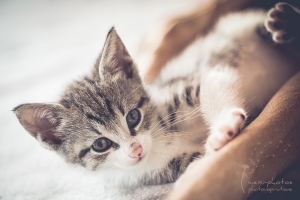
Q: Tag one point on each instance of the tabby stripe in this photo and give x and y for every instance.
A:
(83, 152)
(65, 103)
(109, 107)
(120, 107)
(95, 131)
(194, 156)
(90, 81)
(142, 101)
(146, 123)
(176, 101)
(132, 132)
(197, 91)
(188, 96)
(161, 121)
(99, 93)
(81, 84)
(175, 166)
(100, 160)
(91, 94)
(90, 116)
(172, 115)
(80, 107)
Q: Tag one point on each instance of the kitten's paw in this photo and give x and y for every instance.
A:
(283, 22)
(225, 132)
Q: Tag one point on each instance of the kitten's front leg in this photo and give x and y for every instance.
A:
(222, 107)
(231, 121)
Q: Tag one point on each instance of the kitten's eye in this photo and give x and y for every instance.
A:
(101, 144)
(133, 118)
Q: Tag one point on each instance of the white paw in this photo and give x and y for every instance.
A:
(224, 132)
(283, 23)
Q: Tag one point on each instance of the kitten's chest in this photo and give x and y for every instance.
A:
(193, 129)
(184, 126)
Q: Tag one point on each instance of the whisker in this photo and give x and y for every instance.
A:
(180, 120)
(133, 91)
(167, 118)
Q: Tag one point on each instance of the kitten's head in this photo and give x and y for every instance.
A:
(103, 120)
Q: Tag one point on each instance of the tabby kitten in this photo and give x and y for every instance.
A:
(112, 122)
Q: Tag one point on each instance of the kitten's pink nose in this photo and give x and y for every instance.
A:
(135, 150)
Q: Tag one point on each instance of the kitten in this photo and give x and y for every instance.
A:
(112, 122)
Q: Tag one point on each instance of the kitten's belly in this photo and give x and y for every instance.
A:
(262, 72)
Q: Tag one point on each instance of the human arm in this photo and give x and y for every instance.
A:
(271, 141)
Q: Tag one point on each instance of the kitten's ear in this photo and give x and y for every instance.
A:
(42, 122)
(115, 60)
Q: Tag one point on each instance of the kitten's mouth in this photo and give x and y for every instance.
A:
(140, 159)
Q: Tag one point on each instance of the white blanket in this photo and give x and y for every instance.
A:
(43, 46)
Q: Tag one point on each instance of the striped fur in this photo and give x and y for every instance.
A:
(96, 106)
(173, 127)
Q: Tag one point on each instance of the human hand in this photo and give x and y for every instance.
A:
(172, 35)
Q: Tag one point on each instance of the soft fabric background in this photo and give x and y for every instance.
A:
(43, 46)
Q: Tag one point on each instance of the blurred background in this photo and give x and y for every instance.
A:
(44, 45)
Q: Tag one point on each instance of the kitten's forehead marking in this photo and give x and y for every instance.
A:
(95, 131)
(96, 119)
(142, 101)
(121, 109)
